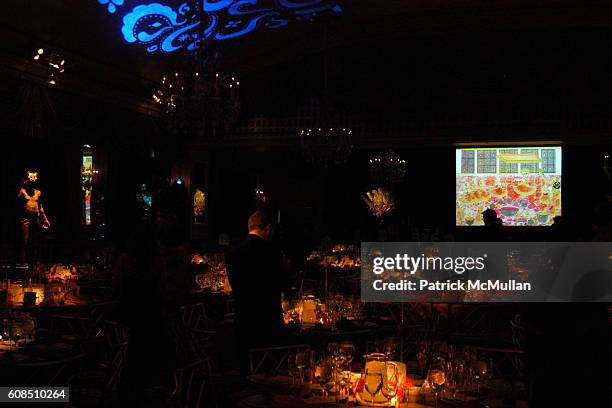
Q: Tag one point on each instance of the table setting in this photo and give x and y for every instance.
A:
(334, 376)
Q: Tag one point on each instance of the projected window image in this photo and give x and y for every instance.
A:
(522, 185)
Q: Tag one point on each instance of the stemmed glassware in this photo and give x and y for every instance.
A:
(422, 356)
(391, 348)
(373, 382)
(324, 375)
(457, 376)
(346, 352)
(389, 388)
(301, 361)
(341, 354)
(480, 372)
(436, 377)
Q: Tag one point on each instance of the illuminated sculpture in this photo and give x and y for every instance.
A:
(33, 217)
(162, 28)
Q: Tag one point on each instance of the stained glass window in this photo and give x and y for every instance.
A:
(487, 161)
(87, 172)
(198, 183)
(529, 167)
(467, 161)
(508, 167)
(199, 206)
(548, 160)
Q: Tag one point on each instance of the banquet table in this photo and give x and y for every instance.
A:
(75, 302)
(280, 392)
(261, 401)
(279, 389)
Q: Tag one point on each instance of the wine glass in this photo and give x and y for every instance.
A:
(333, 349)
(323, 375)
(479, 371)
(373, 382)
(482, 371)
(390, 348)
(346, 352)
(344, 385)
(437, 379)
(292, 368)
(459, 377)
(301, 361)
(422, 356)
(488, 373)
(389, 388)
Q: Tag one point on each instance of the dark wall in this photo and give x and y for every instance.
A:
(315, 202)
(48, 132)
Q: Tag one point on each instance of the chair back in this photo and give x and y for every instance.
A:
(273, 359)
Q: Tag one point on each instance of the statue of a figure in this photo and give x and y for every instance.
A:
(32, 218)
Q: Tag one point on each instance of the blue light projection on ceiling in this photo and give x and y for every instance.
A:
(166, 27)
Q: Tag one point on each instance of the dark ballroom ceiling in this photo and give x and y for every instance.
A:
(400, 57)
(84, 28)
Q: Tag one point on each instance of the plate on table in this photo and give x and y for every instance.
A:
(364, 398)
(50, 349)
(279, 380)
(319, 400)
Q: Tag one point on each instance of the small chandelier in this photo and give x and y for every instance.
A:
(54, 62)
(387, 167)
(326, 146)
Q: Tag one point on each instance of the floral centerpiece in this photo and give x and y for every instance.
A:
(342, 256)
(380, 202)
(212, 273)
(63, 273)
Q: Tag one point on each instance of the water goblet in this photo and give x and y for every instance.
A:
(323, 375)
(346, 352)
(301, 361)
(373, 383)
(389, 388)
(437, 379)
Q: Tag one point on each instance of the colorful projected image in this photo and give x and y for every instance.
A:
(522, 185)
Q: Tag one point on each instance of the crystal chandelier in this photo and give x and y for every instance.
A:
(326, 146)
(328, 141)
(198, 98)
(387, 167)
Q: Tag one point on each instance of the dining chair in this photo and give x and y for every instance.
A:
(63, 372)
(196, 318)
(194, 386)
(273, 359)
(100, 381)
(72, 329)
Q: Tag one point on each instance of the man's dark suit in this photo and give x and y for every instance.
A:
(257, 277)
